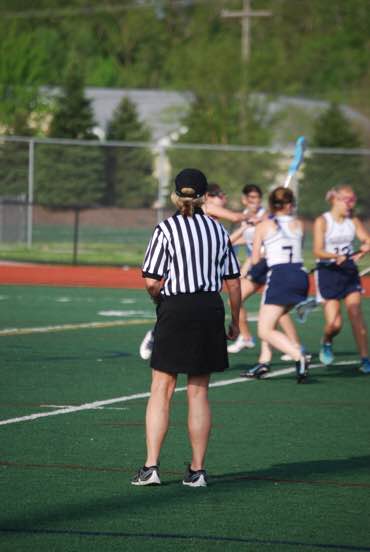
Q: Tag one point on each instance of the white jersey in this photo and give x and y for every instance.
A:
(250, 230)
(339, 236)
(283, 245)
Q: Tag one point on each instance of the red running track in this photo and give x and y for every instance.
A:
(89, 276)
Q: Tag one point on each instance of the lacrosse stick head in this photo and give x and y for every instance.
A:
(303, 309)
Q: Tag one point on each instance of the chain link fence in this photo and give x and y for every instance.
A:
(77, 201)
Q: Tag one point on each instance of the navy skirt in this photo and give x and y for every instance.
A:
(258, 273)
(337, 281)
(189, 336)
(287, 284)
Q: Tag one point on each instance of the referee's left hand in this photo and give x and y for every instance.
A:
(233, 332)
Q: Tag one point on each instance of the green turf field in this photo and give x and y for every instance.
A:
(289, 464)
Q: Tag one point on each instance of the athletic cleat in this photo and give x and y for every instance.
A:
(326, 354)
(197, 478)
(258, 371)
(147, 476)
(146, 346)
(365, 366)
(301, 367)
(240, 344)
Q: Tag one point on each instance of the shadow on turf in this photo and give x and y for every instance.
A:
(301, 472)
(94, 507)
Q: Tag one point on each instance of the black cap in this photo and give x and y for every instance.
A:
(191, 178)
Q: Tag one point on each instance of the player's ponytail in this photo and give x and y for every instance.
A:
(280, 197)
(187, 203)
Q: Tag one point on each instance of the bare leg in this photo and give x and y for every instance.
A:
(157, 414)
(268, 319)
(199, 418)
(288, 327)
(245, 267)
(333, 320)
(265, 353)
(247, 289)
(353, 305)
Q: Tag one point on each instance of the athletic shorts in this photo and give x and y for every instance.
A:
(189, 336)
(287, 284)
(337, 281)
(258, 273)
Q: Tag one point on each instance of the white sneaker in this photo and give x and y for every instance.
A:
(147, 476)
(196, 478)
(146, 346)
(241, 344)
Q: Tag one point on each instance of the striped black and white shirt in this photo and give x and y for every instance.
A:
(191, 254)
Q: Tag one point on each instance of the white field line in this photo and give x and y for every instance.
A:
(96, 408)
(253, 317)
(365, 271)
(84, 325)
(99, 404)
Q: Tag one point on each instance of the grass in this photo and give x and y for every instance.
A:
(107, 246)
(101, 246)
(94, 254)
(289, 465)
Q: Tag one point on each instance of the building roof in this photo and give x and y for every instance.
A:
(162, 111)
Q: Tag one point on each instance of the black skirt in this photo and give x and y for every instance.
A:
(189, 336)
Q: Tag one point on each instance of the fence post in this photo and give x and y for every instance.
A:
(31, 167)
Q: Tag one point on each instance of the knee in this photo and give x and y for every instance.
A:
(163, 389)
(197, 390)
(263, 333)
(335, 326)
(197, 398)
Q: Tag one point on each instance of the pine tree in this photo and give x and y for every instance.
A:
(14, 158)
(70, 174)
(217, 119)
(73, 115)
(323, 171)
(129, 181)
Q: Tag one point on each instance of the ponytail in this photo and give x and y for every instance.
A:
(280, 197)
(188, 203)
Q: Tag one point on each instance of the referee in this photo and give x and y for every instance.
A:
(187, 259)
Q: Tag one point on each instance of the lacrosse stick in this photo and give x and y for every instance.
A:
(329, 264)
(303, 309)
(300, 147)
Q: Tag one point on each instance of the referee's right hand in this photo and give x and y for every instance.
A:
(233, 332)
